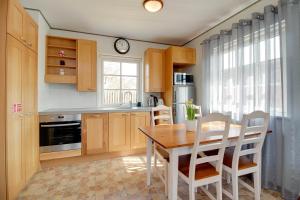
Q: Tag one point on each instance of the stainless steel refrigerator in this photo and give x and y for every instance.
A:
(181, 93)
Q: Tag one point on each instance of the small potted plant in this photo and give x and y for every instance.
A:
(190, 121)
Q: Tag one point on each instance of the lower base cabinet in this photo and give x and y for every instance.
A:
(94, 133)
(138, 119)
(119, 132)
(113, 132)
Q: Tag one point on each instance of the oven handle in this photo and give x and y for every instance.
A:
(60, 125)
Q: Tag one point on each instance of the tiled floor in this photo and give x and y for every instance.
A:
(120, 178)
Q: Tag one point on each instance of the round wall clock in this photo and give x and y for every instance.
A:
(122, 46)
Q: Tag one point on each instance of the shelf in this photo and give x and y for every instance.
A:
(61, 47)
(66, 57)
(62, 66)
(56, 78)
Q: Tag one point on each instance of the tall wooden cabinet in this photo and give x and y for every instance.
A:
(21, 121)
(21, 26)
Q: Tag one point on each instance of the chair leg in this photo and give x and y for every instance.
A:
(257, 187)
(155, 162)
(219, 190)
(235, 187)
(191, 192)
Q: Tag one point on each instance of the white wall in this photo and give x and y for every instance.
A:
(64, 95)
(197, 69)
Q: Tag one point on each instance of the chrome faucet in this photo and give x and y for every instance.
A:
(130, 94)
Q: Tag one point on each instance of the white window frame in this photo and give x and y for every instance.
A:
(120, 59)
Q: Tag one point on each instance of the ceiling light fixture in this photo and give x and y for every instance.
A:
(153, 5)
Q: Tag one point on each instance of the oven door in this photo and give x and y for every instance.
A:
(60, 136)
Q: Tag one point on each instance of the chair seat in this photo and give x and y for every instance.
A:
(244, 162)
(163, 153)
(202, 171)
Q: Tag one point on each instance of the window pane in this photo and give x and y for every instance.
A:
(129, 82)
(129, 69)
(112, 82)
(126, 96)
(111, 97)
(111, 68)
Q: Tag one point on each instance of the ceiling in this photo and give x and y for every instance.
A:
(177, 23)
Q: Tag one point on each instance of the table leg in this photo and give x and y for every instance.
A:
(149, 156)
(173, 175)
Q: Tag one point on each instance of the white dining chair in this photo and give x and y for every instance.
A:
(237, 162)
(161, 115)
(199, 171)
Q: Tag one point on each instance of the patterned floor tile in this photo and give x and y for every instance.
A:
(115, 179)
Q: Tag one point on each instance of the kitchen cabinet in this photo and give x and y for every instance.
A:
(31, 33)
(119, 132)
(94, 133)
(138, 119)
(154, 70)
(16, 55)
(87, 65)
(183, 55)
(22, 124)
(21, 26)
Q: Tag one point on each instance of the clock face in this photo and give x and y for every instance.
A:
(122, 46)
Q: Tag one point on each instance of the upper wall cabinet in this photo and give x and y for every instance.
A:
(154, 70)
(87, 65)
(183, 55)
(71, 61)
(21, 26)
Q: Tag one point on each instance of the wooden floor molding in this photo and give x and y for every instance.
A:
(88, 158)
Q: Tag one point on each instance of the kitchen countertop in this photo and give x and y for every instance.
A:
(94, 110)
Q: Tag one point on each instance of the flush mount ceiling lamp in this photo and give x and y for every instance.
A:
(153, 5)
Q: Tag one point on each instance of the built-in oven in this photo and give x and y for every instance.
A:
(181, 78)
(60, 132)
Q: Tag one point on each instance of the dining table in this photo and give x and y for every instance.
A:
(177, 141)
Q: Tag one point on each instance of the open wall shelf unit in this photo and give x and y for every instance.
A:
(61, 60)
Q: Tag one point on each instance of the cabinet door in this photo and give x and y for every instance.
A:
(30, 143)
(87, 65)
(119, 132)
(29, 83)
(184, 55)
(30, 124)
(16, 20)
(94, 133)
(154, 70)
(31, 33)
(138, 119)
(15, 169)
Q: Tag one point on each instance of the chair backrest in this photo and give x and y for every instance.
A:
(211, 127)
(255, 122)
(164, 114)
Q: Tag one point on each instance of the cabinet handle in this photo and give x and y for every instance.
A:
(29, 44)
(133, 114)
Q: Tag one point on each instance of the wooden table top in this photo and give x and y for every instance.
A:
(176, 135)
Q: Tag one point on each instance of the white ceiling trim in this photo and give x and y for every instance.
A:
(204, 30)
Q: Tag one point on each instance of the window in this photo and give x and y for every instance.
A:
(120, 80)
(247, 76)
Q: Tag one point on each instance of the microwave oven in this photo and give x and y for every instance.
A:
(183, 79)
